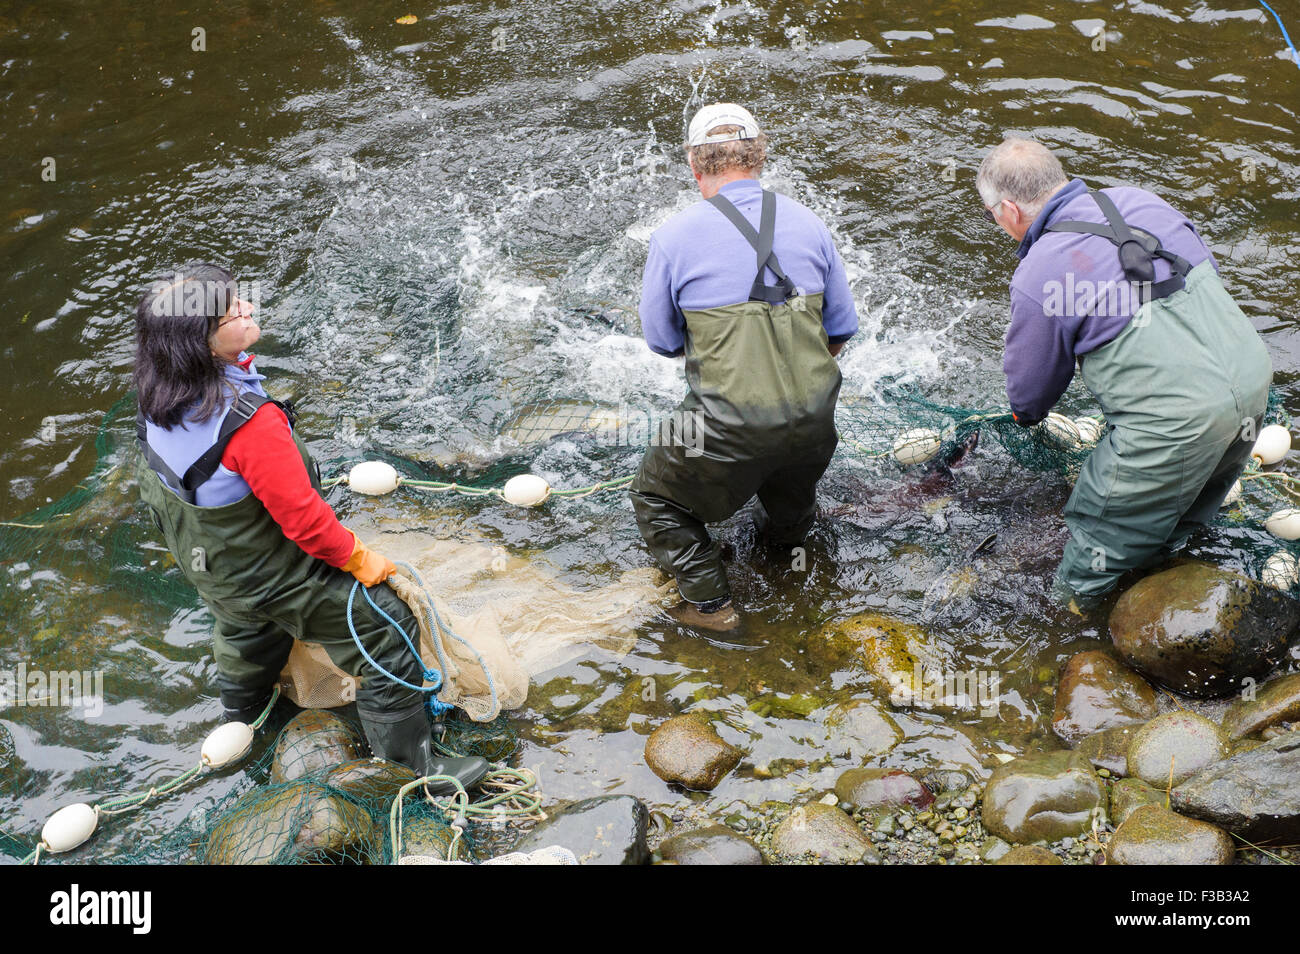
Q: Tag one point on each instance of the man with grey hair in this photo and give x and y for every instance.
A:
(760, 362)
(1119, 284)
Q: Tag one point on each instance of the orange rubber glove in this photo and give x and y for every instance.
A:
(366, 565)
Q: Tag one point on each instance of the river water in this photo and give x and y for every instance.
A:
(446, 222)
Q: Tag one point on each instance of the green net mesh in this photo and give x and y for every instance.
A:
(293, 807)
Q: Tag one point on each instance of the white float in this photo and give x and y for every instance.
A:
(1090, 430)
(1284, 523)
(1060, 432)
(1234, 494)
(916, 446)
(1281, 571)
(69, 827)
(373, 477)
(226, 744)
(526, 490)
(1272, 444)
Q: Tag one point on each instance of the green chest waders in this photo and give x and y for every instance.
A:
(264, 591)
(1184, 387)
(759, 418)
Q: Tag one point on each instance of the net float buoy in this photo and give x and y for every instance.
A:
(225, 744)
(1234, 494)
(1281, 571)
(1060, 431)
(373, 477)
(1272, 444)
(1089, 429)
(1284, 523)
(69, 827)
(526, 490)
(916, 446)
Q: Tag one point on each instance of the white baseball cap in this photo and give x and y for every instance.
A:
(721, 114)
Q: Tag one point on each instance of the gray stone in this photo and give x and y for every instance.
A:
(1181, 743)
(1278, 700)
(1254, 794)
(687, 750)
(1201, 630)
(826, 833)
(607, 830)
(1042, 797)
(1108, 749)
(715, 845)
(874, 790)
(1098, 692)
(1153, 835)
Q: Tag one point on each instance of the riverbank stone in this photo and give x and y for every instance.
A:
(1044, 796)
(1153, 835)
(1201, 630)
(1275, 702)
(1098, 692)
(1029, 855)
(314, 741)
(824, 832)
(606, 830)
(687, 750)
(1177, 745)
(1254, 794)
(299, 822)
(1128, 794)
(1108, 749)
(715, 845)
(874, 790)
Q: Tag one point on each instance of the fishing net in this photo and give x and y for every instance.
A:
(94, 544)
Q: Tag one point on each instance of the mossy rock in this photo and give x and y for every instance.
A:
(313, 742)
(299, 823)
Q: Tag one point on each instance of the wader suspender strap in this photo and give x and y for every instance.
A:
(241, 411)
(1137, 250)
(762, 243)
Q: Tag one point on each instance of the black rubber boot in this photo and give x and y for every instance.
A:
(237, 708)
(404, 737)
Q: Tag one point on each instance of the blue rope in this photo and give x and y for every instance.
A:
(430, 675)
(1295, 55)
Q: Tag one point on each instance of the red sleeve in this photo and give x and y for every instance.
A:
(264, 454)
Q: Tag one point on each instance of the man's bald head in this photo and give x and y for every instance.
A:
(1021, 170)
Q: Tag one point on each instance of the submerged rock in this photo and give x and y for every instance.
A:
(1177, 745)
(1128, 794)
(859, 730)
(1278, 700)
(824, 832)
(687, 750)
(1044, 796)
(715, 845)
(298, 822)
(1153, 835)
(1201, 630)
(1255, 794)
(904, 658)
(1029, 855)
(1098, 692)
(315, 740)
(1108, 749)
(874, 790)
(607, 830)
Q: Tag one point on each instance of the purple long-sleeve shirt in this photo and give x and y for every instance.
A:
(1069, 295)
(698, 259)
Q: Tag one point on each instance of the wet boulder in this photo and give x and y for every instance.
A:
(1254, 794)
(606, 830)
(1029, 855)
(369, 780)
(715, 845)
(859, 730)
(1275, 702)
(1153, 835)
(314, 741)
(1201, 630)
(907, 661)
(1129, 794)
(687, 750)
(1175, 746)
(823, 832)
(872, 790)
(1098, 692)
(297, 823)
(1108, 749)
(1044, 796)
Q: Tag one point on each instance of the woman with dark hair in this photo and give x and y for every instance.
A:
(237, 497)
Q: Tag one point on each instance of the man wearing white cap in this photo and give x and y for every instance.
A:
(760, 362)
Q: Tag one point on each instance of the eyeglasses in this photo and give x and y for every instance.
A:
(245, 311)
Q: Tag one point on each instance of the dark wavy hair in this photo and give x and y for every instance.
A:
(176, 372)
